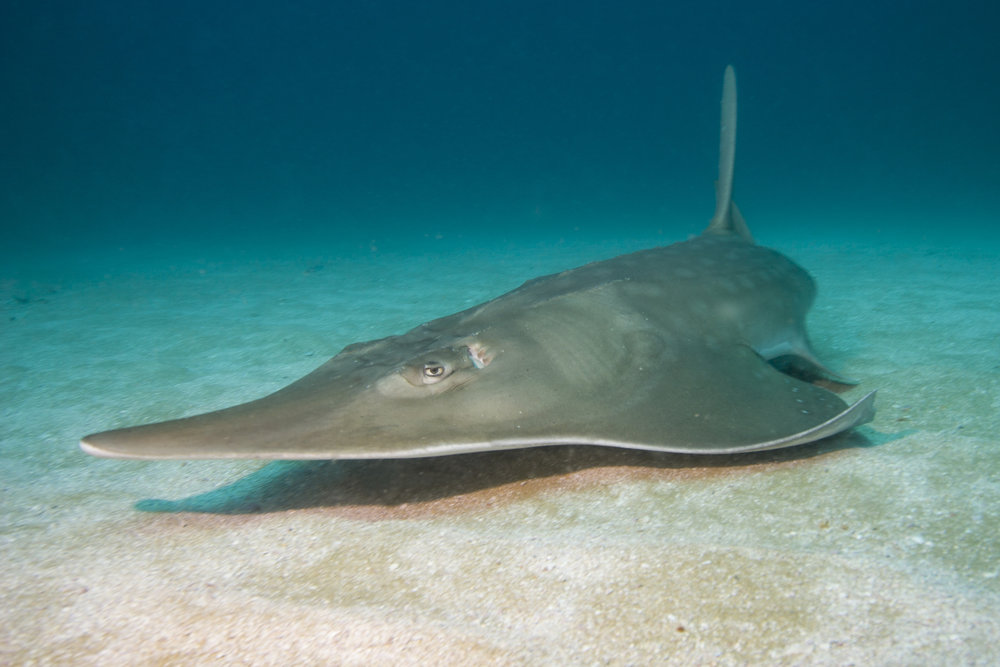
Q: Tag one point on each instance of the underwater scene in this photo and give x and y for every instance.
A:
(641, 461)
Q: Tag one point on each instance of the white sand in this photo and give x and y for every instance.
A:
(882, 547)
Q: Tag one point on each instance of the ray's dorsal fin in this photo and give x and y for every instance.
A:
(727, 218)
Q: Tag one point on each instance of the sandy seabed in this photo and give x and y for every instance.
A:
(877, 547)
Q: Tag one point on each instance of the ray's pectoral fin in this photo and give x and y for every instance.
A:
(735, 401)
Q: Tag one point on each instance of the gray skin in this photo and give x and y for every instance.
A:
(665, 349)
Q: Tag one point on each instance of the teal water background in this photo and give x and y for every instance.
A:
(256, 124)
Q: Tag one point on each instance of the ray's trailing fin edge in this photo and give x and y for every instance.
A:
(672, 349)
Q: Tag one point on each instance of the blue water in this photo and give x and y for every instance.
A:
(261, 124)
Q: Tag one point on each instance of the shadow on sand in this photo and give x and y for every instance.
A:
(394, 488)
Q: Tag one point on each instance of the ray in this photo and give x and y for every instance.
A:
(695, 347)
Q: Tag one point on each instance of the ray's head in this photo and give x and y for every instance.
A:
(447, 386)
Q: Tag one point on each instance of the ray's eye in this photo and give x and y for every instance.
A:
(434, 371)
